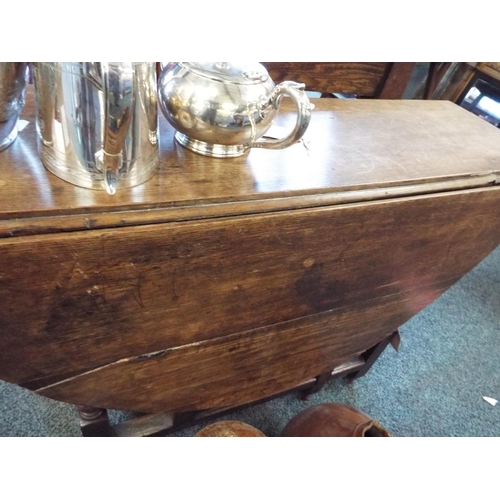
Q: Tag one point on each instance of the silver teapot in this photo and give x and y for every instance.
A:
(222, 109)
(98, 122)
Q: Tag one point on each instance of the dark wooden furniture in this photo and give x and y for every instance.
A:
(383, 80)
(224, 282)
(479, 90)
(466, 74)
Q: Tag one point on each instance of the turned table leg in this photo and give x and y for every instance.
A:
(94, 422)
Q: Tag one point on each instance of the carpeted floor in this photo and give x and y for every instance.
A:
(449, 358)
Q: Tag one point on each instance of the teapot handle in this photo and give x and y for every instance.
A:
(304, 107)
(118, 87)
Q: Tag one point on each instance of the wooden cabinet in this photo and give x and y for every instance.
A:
(220, 282)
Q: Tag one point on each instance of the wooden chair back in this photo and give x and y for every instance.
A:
(382, 80)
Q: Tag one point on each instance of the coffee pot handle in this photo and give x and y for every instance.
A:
(304, 107)
(118, 90)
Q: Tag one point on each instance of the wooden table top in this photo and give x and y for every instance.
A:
(354, 150)
(224, 311)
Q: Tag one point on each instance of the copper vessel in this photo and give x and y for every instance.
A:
(333, 420)
(229, 428)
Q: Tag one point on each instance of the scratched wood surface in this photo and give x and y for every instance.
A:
(244, 367)
(353, 150)
(108, 301)
(220, 282)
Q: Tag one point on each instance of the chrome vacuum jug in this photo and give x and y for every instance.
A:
(97, 122)
(13, 81)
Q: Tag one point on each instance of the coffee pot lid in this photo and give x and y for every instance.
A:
(230, 72)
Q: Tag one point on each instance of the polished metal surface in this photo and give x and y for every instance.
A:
(13, 81)
(222, 109)
(97, 123)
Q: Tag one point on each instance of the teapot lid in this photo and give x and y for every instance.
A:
(229, 72)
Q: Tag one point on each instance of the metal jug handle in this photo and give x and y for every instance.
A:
(118, 90)
(304, 107)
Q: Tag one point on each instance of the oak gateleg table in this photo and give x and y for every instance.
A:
(225, 282)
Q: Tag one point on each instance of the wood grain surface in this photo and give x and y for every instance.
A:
(353, 150)
(220, 282)
(396, 82)
(125, 296)
(362, 78)
(382, 80)
(245, 367)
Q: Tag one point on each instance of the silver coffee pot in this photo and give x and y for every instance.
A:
(13, 81)
(223, 109)
(97, 122)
